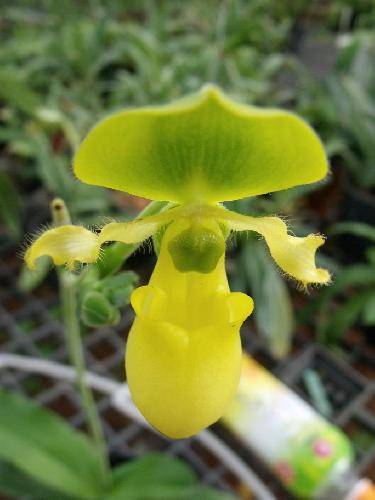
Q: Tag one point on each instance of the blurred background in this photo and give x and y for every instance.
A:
(65, 65)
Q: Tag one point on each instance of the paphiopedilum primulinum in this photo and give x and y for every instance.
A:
(183, 354)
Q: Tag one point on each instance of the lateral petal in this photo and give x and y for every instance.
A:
(294, 255)
(65, 245)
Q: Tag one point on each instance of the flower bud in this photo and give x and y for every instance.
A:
(96, 310)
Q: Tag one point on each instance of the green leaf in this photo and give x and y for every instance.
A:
(96, 310)
(28, 280)
(42, 446)
(206, 493)
(118, 288)
(331, 324)
(113, 257)
(10, 206)
(273, 312)
(152, 476)
(368, 313)
(356, 228)
(204, 147)
(158, 477)
(52, 170)
(15, 91)
(338, 322)
(370, 254)
(317, 392)
(357, 275)
(16, 483)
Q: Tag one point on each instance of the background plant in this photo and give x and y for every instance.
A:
(98, 59)
(68, 467)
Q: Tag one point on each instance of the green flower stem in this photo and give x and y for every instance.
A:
(113, 258)
(68, 291)
(68, 294)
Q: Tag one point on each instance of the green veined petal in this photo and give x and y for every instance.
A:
(65, 245)
(294, 255)
(202, 148)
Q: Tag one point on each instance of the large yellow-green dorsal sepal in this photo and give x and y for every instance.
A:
(201, 148)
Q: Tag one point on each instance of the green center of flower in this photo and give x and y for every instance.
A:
(197, 248)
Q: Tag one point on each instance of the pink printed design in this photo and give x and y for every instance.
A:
(322, 448)
(285, 472)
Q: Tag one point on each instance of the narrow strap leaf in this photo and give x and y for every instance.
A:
(46, 449)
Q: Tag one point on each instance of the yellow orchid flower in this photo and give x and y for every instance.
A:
(183, 354)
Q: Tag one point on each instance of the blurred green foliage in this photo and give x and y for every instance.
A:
(348, 301)
(64, 65)
(343, 106)
(62, 464)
